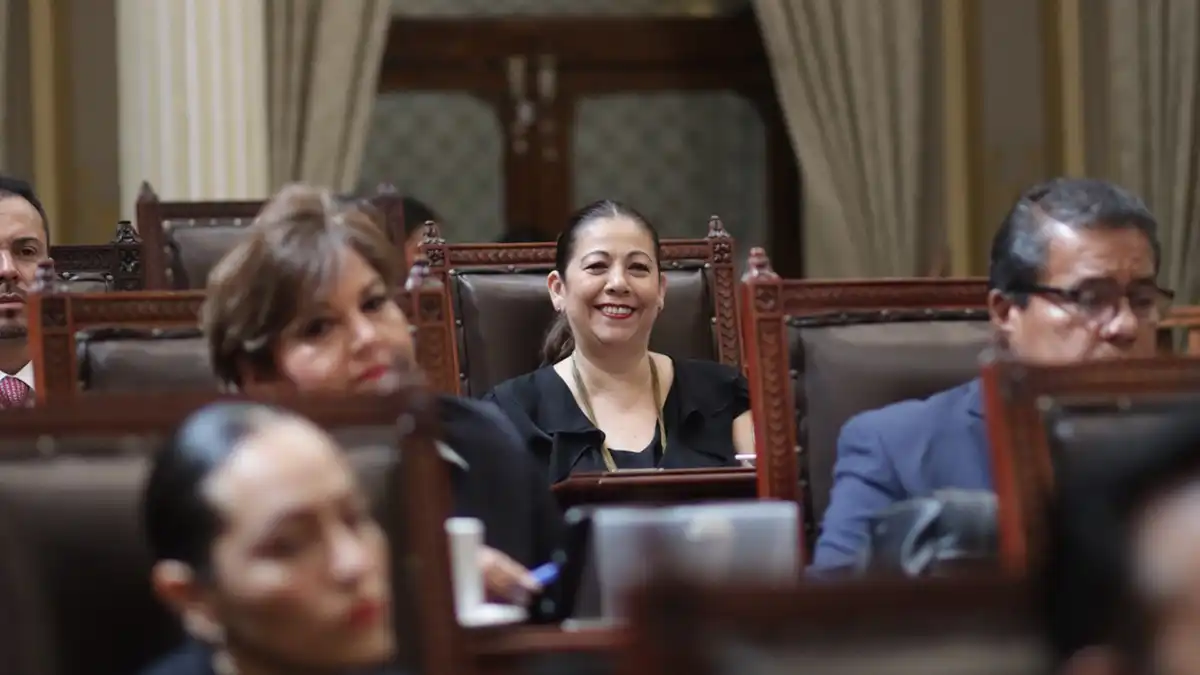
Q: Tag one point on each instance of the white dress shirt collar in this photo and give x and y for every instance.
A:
(25, 375)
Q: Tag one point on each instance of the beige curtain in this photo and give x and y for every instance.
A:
(323, 59)
(855, 79)
(4, 57)
(1153, 62)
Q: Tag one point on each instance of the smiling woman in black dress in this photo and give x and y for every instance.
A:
(604, 401)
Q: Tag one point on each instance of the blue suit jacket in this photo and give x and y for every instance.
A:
(905, 450)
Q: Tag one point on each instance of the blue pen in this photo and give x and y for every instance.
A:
(546, 574)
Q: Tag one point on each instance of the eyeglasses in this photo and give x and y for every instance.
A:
(1100, 300)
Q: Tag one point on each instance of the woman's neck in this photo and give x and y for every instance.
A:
(613, 371)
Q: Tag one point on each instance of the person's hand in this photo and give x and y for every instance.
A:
(504, 579)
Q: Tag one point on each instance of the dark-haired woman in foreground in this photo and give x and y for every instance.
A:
(604, 401)
(305, 303)
(266, 548)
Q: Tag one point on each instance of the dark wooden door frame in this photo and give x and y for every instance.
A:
(595, 56)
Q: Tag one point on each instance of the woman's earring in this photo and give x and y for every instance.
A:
(203, 629)
(222, 663)
(213, 635)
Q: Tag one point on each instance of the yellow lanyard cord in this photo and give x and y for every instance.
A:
(584, 398)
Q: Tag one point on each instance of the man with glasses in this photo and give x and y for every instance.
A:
(1072, 278)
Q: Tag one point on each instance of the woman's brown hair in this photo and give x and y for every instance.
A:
(277, 273)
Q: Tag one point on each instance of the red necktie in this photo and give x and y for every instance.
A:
(14, 393)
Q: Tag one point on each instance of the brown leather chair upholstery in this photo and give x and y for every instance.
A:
(820, 352)
(149, 340)
(140, 359)
(77, 522)
(196, 246)
(183, 241)
(847, 364)
(502, 308)
(86, 282)
(24, 640)
(62, 323)
(502, 319)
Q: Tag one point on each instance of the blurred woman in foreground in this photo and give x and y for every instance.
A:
(266, 548)
(306, 303)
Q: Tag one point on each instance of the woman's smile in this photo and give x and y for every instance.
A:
(614, 311)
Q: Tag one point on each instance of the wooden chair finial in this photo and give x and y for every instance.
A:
(433, 234)
(716, 228)
(146, 193)
(759, 265)
(126, 233)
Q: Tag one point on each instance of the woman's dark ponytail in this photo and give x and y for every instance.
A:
(559, 341)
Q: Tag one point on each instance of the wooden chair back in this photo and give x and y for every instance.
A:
(502, 309)
(160, 329)
(961, 626)
(1182, 325)
(1034, 413)
(82, 504)
(819, 352)
(207, 229)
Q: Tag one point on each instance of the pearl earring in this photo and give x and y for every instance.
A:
(203, 630)
(222, 663)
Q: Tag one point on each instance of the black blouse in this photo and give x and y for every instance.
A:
(704, 399)
(500, 484)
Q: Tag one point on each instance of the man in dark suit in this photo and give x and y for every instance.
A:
(1072, 278)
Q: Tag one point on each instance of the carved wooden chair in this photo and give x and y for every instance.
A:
(115, 266)
(150, 340)
(819, 352)
(71, 472)
(502, 310)
(182, 241)
(1181, 328)
(1035, 414)
(70, 490)
(962, 626)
